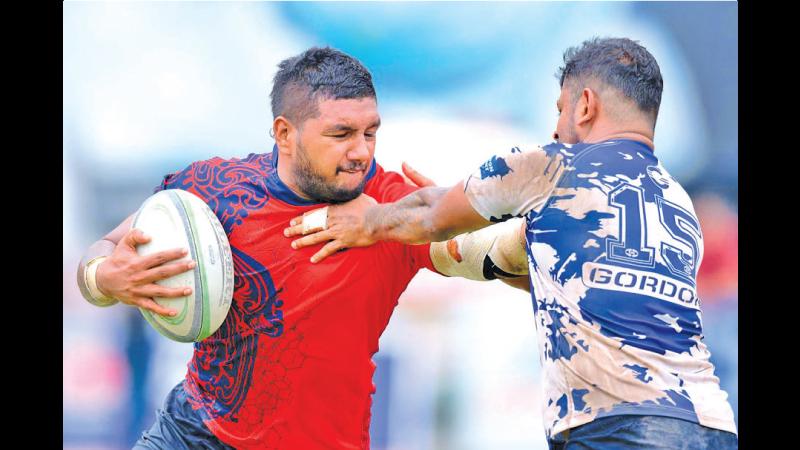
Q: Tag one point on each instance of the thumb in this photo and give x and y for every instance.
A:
(135, 237)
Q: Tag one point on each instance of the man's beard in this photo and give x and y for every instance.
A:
(315, 186)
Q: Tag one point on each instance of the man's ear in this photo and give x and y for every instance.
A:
(284, 133)
(587, 107)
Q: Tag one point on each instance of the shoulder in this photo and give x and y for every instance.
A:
(231, 187)
(218, 173)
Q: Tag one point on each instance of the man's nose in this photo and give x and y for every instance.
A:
(359, 151)
(555, 135)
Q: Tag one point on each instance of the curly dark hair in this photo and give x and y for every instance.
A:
(617, 62)
(316, 74)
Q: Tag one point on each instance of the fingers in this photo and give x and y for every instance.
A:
(297, 226)
(310, 222)
(327, 250)
(312, 239)
(295, 229)
(163, 272)
(154, 290)
(150, 305)
(418, 179)
(296, 221)
(135, 237)
(159, 258)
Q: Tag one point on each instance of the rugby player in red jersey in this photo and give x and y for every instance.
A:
(291, 367)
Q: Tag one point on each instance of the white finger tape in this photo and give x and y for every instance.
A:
(317, 220)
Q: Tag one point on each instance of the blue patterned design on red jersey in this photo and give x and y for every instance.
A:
(226, 371)
(253, 285)
(223, 368)
(223, 363)
(230, 188)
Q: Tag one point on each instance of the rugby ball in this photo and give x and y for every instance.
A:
(176, 218)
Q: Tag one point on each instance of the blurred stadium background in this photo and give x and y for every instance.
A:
(150, 87)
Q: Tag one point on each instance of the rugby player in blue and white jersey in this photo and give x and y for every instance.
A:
(613, 246)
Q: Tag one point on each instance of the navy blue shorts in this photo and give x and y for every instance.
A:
(643, 432)
(178, 427)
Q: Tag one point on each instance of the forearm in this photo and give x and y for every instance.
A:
(410, 220)
(104, 247)
(491, 253)
(427, 215)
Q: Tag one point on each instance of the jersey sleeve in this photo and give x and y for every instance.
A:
(191, 179)
(513, 184)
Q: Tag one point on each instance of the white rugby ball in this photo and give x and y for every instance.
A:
(175, 218)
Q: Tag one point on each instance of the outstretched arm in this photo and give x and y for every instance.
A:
(430, 214)
(427, 215)
(505, 186)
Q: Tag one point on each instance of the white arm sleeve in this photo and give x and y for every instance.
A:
(511, 185)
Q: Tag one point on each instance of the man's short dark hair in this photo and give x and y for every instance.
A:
(314, 75)
(620, 63)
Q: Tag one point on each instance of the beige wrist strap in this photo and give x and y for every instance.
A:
(90, 278)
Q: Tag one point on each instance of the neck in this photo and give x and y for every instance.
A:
(636, 132)
(286, 175)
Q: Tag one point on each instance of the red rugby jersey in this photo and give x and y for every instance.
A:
(291, 367)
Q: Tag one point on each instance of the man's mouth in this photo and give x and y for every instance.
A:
(353, 171)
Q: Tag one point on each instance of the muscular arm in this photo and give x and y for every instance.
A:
(427, 215)
(505, 186)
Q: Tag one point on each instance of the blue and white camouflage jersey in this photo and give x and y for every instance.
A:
(614, 247)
